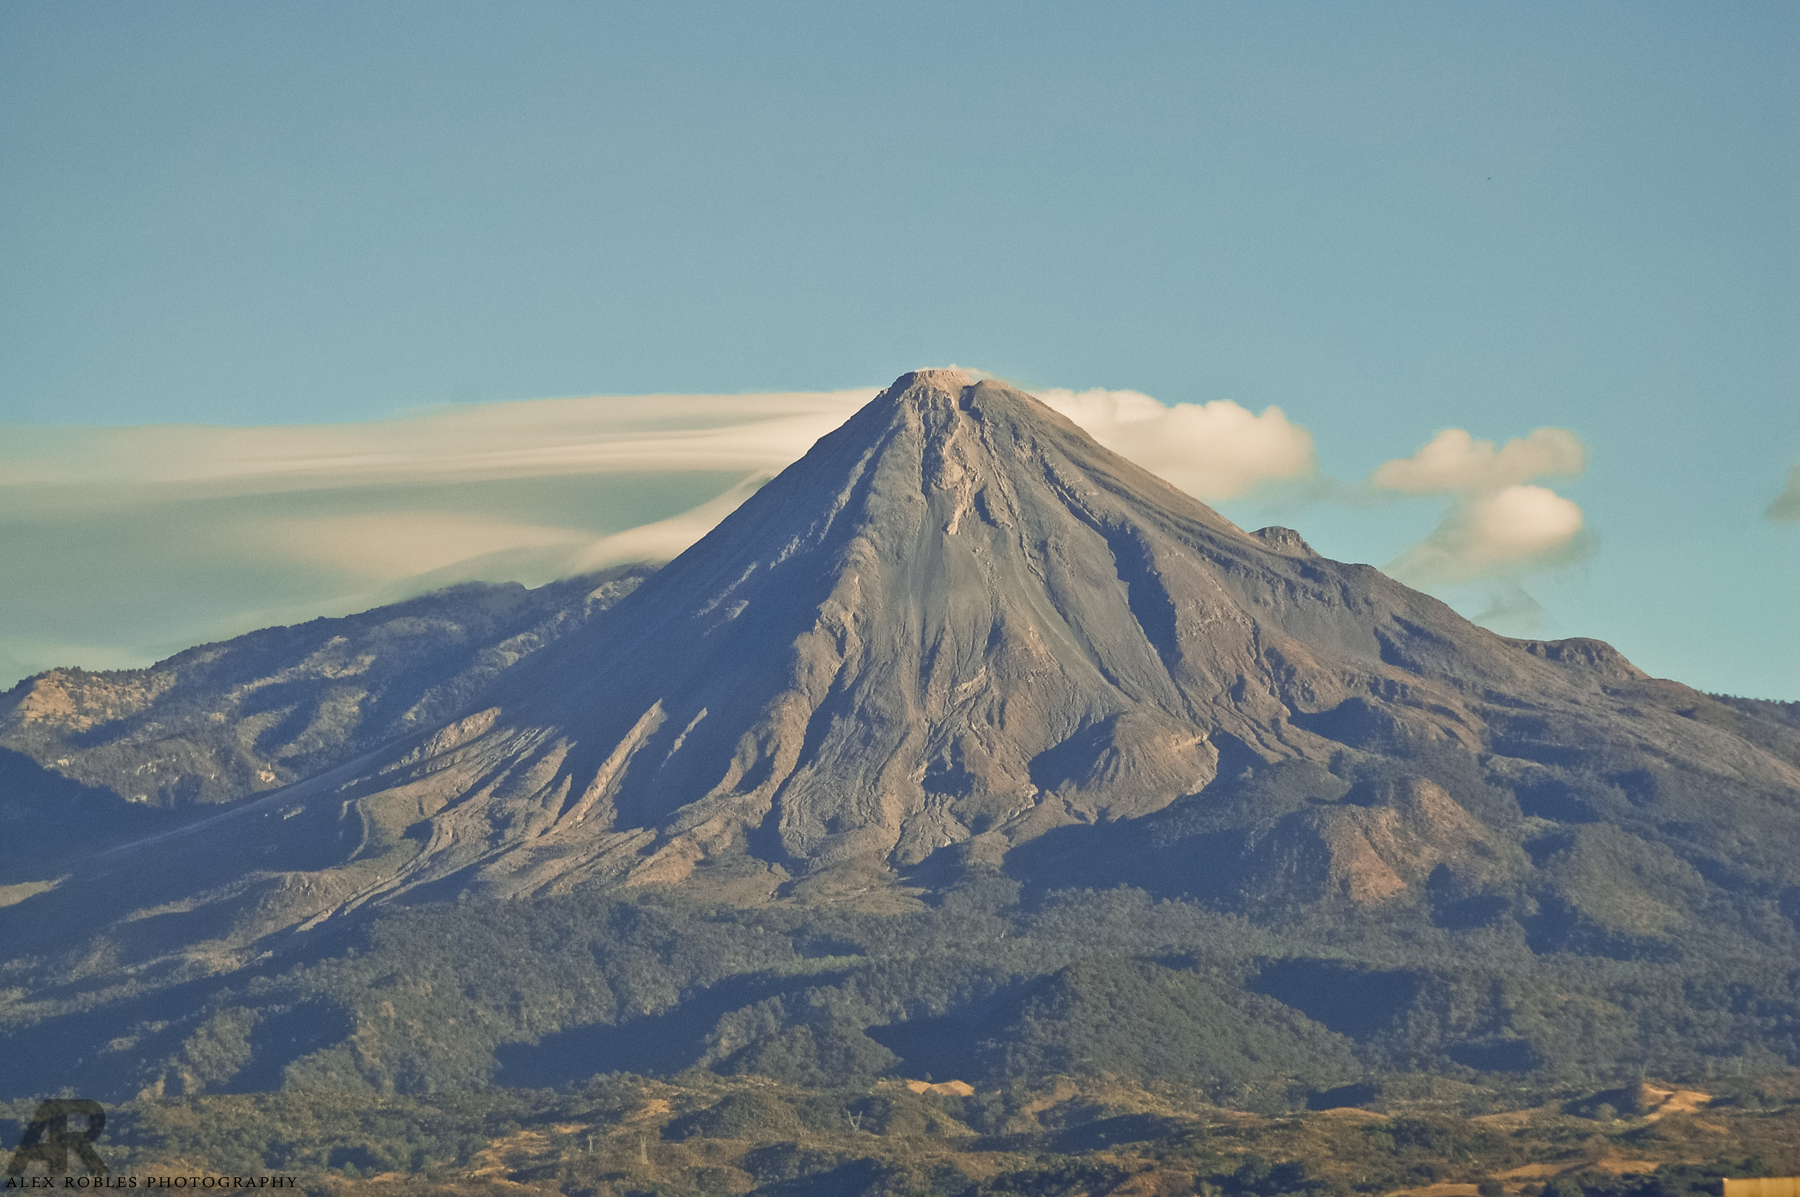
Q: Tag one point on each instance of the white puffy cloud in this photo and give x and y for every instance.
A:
(1786, 507)
(1214, 451)
(1455, 461)
(1497, 526)
(1496, 535)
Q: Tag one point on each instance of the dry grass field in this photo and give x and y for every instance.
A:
(701, 1135)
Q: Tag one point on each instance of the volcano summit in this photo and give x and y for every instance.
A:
(958, 634)
(959, 682)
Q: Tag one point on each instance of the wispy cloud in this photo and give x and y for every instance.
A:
(663, 540)
(1786, 507)
(390, 545)
(538, 438)
(169, 535)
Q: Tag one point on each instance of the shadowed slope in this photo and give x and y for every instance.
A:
(955, 625)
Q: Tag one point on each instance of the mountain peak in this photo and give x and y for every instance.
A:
(942, 379)
(956, 625)
(930, 396)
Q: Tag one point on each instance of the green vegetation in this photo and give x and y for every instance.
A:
(700, 1135)
(983, 986)
(1198, 1024)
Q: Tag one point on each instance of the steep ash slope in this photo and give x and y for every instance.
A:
(956, 625)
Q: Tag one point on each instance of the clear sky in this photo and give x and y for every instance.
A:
(1386, 219)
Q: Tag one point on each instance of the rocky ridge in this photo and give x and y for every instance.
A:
(959, 635)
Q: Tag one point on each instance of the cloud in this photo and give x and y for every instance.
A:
(1496, 535)
(1786, 507)
(536, 438)
(1214, 451)
(165, 536)
(1497, 526)
(1508, 609)
(663, 540)
(390, 545)
(1455, 461)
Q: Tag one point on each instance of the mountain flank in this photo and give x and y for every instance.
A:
(221, 722)
(958, 624)
(958, 673)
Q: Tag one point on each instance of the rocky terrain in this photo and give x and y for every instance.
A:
(959, 653)
(221, 722)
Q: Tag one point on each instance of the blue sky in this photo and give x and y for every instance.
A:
(1386, 219)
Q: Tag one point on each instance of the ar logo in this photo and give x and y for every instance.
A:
(48, 1139)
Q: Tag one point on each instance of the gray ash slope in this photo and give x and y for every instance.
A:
(957, 651)
(959, 635)
(958, 623)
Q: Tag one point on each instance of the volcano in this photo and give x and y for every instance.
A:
(960, 635)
